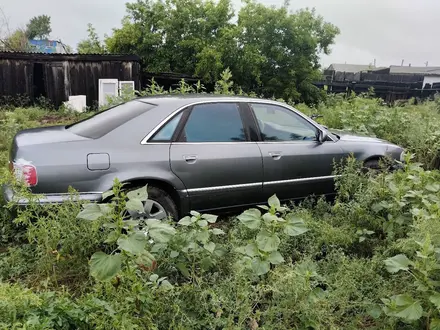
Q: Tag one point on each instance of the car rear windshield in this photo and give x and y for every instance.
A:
(105, 121)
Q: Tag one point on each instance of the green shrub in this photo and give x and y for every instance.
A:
(62, 243)
(367, 260)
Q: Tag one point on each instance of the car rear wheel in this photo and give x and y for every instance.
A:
(159, 205)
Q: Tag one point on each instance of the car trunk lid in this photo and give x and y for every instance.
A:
(44, 135)
(20, 164)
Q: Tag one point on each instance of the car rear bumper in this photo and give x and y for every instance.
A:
(10, 196)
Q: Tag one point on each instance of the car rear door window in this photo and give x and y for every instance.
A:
(277, 123)
(165, 134)
(214, 122)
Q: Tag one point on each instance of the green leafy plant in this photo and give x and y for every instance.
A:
(263, 251)
(425, 272)
(225, 84)
(192, 250)
(364, 234)
(321, 265)
(131, 244)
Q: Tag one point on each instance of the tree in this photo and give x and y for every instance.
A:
(38, 27)
(17, 41)
(196, 32)
(143, 33)
(12, 40)
(177, 35)
(279, 51)
(269, 50)
(91, 45)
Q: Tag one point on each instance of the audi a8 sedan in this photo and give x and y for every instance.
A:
(201, 152)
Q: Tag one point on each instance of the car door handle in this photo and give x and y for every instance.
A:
(190, 159)
(275, 154)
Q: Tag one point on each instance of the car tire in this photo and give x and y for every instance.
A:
(375, 167)
(373, 164)
(163, 199)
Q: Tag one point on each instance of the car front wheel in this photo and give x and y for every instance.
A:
(378, 165)
(373, 164)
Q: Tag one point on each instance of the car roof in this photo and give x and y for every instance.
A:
(195, 97)
(178, 101)
(103, 122)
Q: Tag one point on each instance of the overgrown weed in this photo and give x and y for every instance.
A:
(368, 260)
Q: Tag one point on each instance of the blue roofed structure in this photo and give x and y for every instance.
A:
(47, 46)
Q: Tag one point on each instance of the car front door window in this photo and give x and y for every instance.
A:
(281, 124)
(295, 164)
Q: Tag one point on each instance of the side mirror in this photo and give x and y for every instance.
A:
(322, 136)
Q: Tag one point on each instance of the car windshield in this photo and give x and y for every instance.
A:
(105, 121)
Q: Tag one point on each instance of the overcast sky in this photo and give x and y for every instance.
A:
(385, 30)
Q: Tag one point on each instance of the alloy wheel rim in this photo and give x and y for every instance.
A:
(152, 210)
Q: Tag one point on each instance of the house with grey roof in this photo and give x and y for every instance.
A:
(348, 72)
(351, 68)
(415, 70)
(390, 83)
(431, 74)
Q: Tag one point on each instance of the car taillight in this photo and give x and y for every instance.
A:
(24, 172)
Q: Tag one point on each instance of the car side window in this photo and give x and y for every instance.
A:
(165, 134)
(277, 123)
(214, 122)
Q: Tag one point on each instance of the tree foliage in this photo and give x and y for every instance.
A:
(39, 27)
(11, 40)
(17, 41)
(91, 45)
(280, 50)
(269, 50)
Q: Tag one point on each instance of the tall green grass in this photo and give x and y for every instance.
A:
(368, 260)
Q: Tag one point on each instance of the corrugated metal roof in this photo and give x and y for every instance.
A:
(69, 57)
(422, 70)
(58, 54)
(353, 68)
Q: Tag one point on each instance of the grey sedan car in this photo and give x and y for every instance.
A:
(195, 152)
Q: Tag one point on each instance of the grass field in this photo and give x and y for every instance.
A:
(370, 260)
